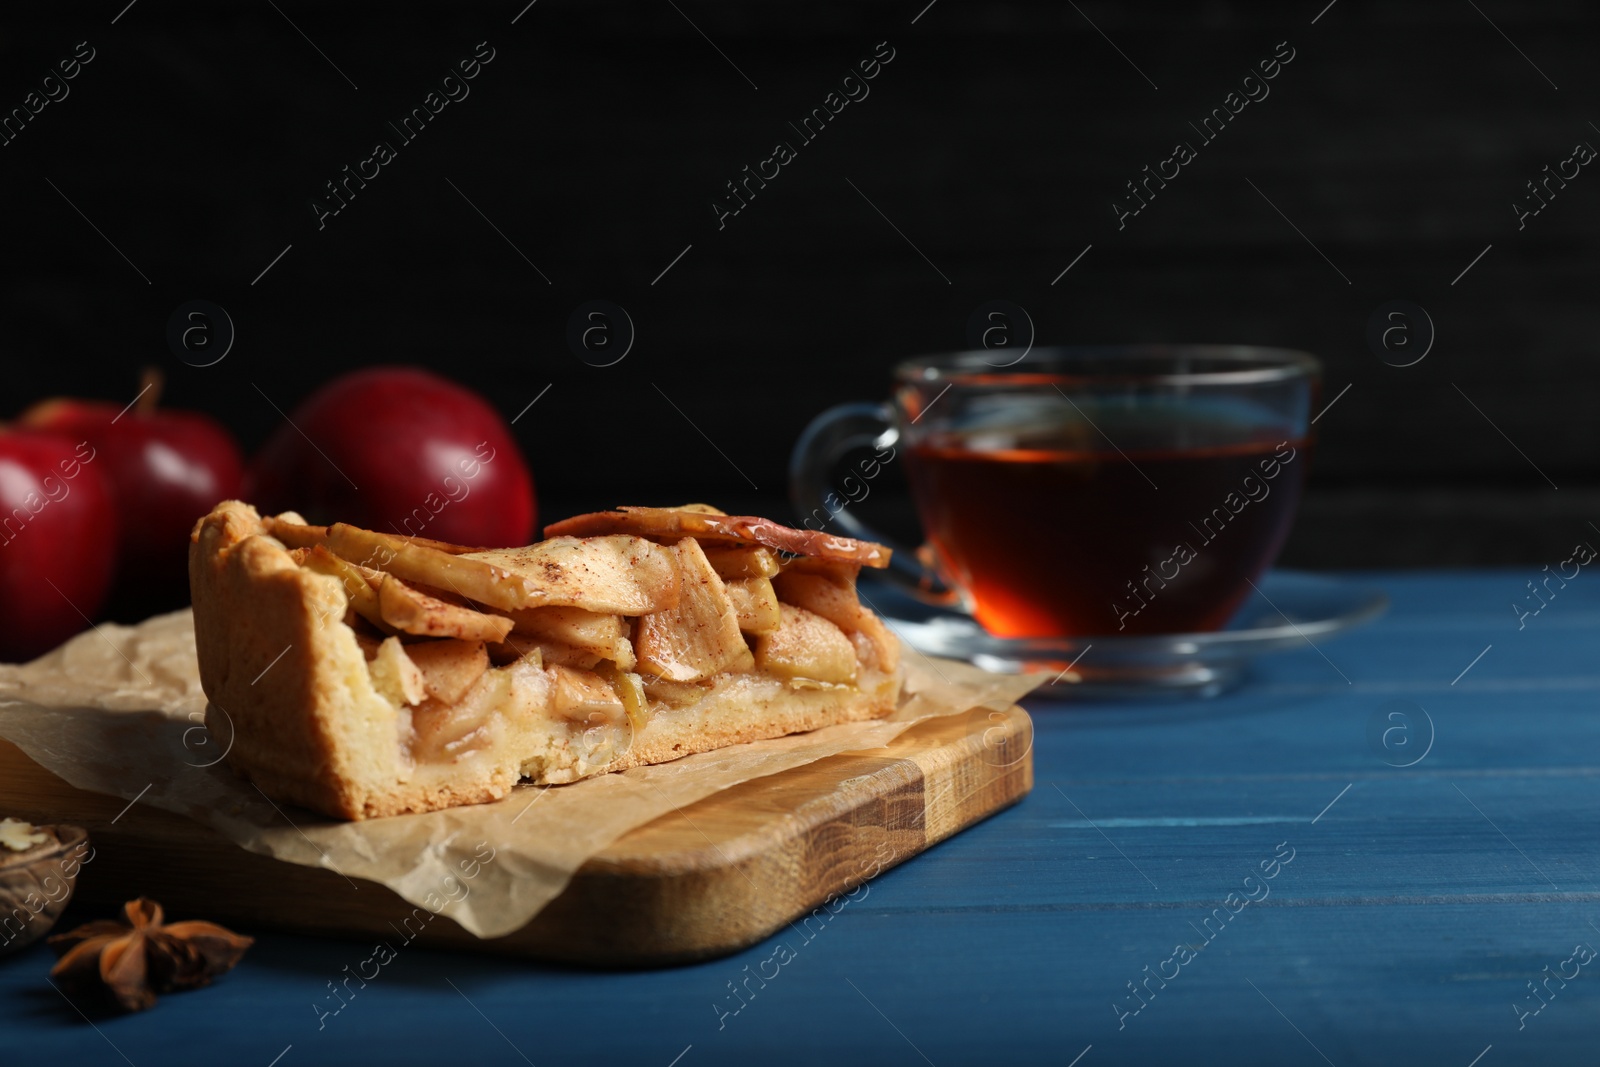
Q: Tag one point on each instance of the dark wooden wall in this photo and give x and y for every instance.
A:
(997, 138)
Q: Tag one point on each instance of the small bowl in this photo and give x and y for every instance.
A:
(37, 885)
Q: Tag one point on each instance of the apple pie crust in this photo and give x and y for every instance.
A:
(364, 674)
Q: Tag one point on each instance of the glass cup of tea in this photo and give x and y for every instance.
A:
(1080, 491)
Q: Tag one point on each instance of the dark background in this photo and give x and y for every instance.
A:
(996, 140)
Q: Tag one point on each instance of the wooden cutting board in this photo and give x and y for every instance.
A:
(707, 880)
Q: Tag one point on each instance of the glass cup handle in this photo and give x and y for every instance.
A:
(824, 442)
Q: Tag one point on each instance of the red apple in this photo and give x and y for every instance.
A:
(399, 449)
(166, 468)
(58, 540)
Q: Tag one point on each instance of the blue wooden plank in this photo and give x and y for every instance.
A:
(1385, 840)
(1415, 912)
(1365, 985)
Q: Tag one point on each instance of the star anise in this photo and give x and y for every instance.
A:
(136, 959)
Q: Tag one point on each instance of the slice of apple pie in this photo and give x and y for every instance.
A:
(365, 674)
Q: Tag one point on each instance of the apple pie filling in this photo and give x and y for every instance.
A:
(579, 641)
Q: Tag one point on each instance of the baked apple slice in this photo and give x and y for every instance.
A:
(718, 529)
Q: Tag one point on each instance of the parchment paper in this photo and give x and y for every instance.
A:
(119, 710)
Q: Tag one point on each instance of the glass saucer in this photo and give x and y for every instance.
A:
(1289, 610)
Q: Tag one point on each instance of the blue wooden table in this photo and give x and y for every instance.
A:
(1252, 879)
